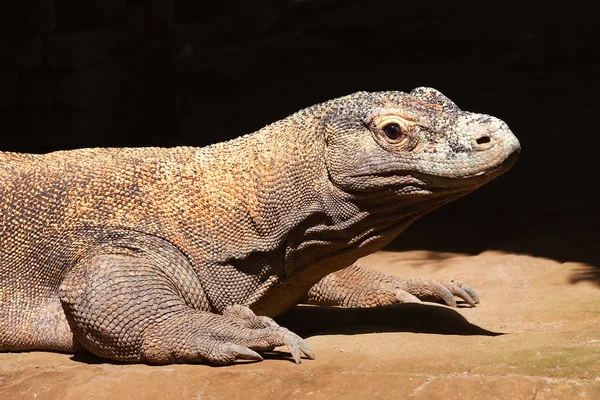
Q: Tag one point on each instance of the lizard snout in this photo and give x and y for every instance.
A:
(490, 132)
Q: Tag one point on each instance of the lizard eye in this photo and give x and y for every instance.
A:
(392, 131)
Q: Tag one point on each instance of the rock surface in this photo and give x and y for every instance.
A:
(536, 334)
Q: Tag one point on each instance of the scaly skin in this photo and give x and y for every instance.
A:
(164, 255)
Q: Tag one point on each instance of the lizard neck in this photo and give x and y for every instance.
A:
(241, 200)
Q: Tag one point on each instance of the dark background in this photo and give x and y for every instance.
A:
(172, 72)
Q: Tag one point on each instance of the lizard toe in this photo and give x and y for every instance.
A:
(462, 291)
(297, 345)
(442, 291)
(470, 291)
(283, 336)
(227, 353)
(261, 333)
(444, 294)
(244, 353)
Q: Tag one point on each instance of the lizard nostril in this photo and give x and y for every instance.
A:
(483, 140)
(481, 143)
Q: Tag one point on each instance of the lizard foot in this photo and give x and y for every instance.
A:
(273, 334)
(443, 291)
(360, 286)
(237, 334)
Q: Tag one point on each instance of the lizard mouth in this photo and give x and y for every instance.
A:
(499, 169)
(411, 182)
(446, 185)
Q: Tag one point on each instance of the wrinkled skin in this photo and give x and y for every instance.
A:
(168, 255)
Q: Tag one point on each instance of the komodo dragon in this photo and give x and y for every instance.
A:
(164, 255)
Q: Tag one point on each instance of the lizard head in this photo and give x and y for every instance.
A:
(414, 144)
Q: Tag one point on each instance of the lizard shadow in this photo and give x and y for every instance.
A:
(306, 321)
(88, 358)
(91, 359)
(408, 317)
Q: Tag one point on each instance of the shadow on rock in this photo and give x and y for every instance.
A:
(89, 358)
(567, 238)
(589, 273)
(409, 317)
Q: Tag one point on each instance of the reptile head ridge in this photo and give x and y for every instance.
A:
(417, 142)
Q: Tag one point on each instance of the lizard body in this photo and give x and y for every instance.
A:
(164, 255)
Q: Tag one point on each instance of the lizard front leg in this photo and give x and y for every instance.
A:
(360, 286)
(125, 308)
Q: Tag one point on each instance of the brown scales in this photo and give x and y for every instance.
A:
(159, 255)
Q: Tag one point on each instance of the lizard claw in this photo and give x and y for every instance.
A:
(294, 343)
(226, 353)
(469, 291)
(243, 353)
(268, 334)
(444, 291)
(404, 297)
(306, 350)
(445, 294)
(297, 345)
(462, 291)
